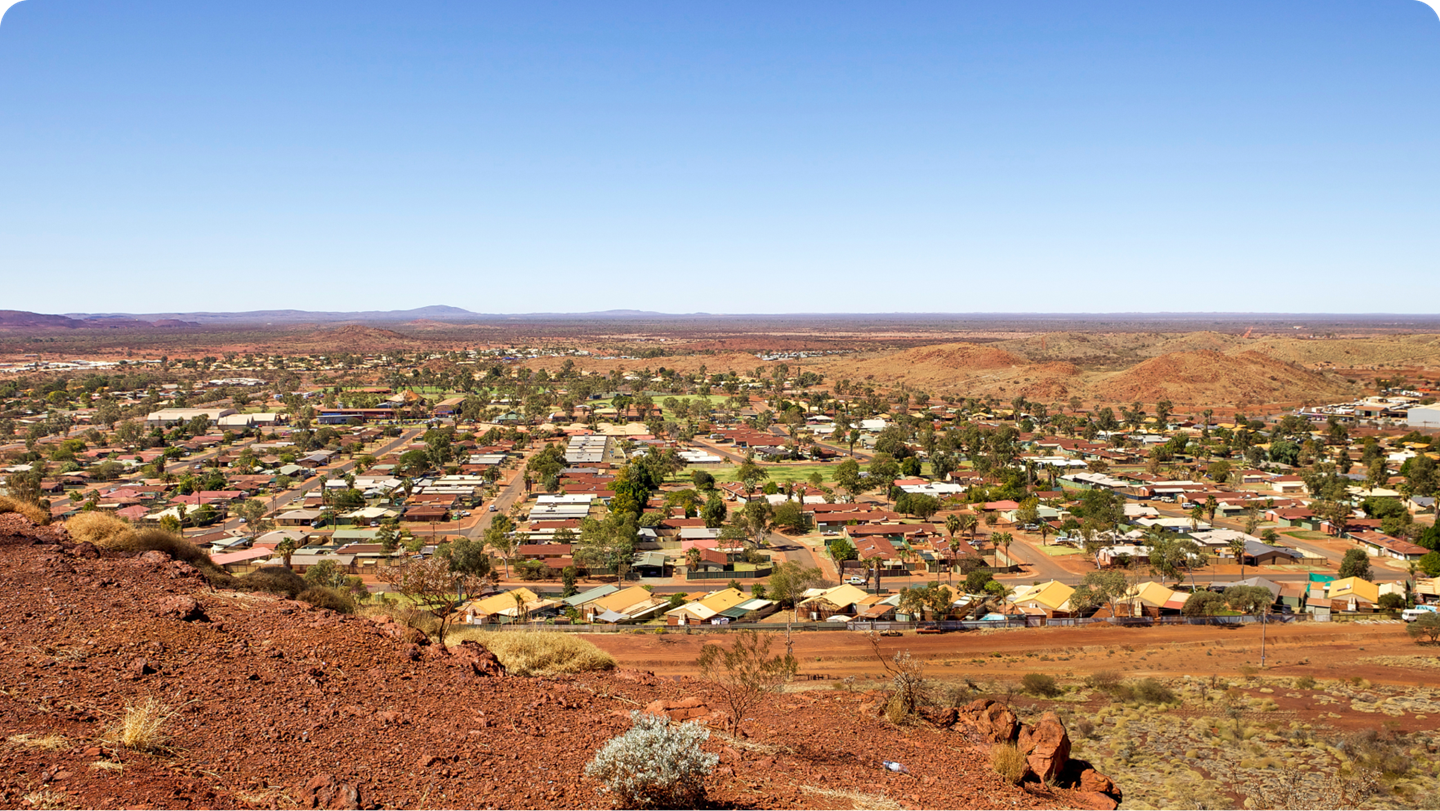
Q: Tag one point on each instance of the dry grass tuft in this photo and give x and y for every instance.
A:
(142, 727)
(46, 799)
(102, 529)
(538, 653)
(36, 514)
(108, 766)
(1009, 763)
(857, 799)
(48, 743)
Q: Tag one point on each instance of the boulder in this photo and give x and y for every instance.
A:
(1046, 747)
(1094, 799)
(476, 659)
(182, 607)
(1091, 780)
(943, 719)
(991, 719)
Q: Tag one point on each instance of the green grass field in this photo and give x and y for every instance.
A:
(781, 474)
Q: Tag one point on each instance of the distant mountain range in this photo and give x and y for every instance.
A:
(21, 320)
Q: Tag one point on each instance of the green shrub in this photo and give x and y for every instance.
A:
(1153, 692)
(1039, 684)
(273, 579)
(327, 597)
(1305, 683)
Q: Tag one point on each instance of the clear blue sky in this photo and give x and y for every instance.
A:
(1058, 156)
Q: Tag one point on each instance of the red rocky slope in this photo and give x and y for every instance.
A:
(279, 704)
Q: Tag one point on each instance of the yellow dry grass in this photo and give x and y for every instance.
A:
(37, 515)
(102, 529)
(537, 653)
(48, 743)
(857, 799)
(1008, 762)
(46, 799)
(141, 729)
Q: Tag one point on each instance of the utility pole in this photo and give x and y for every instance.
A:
(1263, 612)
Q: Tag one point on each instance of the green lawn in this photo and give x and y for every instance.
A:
(778, 473)
(1060, 551)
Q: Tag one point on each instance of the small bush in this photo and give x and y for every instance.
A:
(1104, 680)
(327, 597)
(32, 512)
(101, 529)
(1305, 683)
(1153, 692)
(1009, 763)
(273, 579)
(655, 765)
(1085, 727)
(141, 729)
(538, 653)
(1039, 684)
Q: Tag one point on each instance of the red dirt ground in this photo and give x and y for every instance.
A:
(1322, 650)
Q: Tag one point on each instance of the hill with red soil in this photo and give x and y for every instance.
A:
(273, 703)
(1210, 378)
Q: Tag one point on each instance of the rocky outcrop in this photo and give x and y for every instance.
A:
(1046, 747)
(1045, 744)
(992, 720)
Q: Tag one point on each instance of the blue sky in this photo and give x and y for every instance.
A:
(1061, 156)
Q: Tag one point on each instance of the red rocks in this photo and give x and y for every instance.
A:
(180, 606)
(1046, 747)
(993, 720)
(1091, 780)
(322, 791)
(476, 660)
(1095, 800)
(685, 709)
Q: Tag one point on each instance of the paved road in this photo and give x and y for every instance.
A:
(320, 477)
(507, 497)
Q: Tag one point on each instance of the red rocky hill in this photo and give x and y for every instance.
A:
(278, 704)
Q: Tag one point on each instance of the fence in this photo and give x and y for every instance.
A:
(763, 571)
(895, 625)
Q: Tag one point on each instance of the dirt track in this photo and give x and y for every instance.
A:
(1322, 650)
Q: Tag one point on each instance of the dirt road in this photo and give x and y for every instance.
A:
(1322, 650)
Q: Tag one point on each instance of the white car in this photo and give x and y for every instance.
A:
(1412, 614)
(857, 580)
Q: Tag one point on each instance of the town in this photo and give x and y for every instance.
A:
(659, 498)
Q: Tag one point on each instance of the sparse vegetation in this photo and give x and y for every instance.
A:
(141, 728)
(656, 764)
(538, 653)
(1039, 684)
(32, 512)
(1008, 762)
(327, 597)
(745, 673)
(101, 529)
(45, 743)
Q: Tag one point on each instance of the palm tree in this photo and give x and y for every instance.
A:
(1237, 548)
(1003, 539)
(692, 558)
(287, 549)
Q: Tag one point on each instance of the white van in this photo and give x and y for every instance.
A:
(1412, 614)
